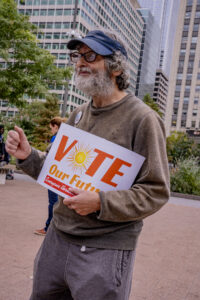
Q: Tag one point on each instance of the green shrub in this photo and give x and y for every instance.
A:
(185, 178)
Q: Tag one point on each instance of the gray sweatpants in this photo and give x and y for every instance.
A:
(64, 271)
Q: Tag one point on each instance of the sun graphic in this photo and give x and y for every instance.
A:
(80, 158)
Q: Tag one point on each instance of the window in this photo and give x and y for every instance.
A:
(187, 15)
(48, 35)
(197, 89)
(185, 33)
(10, 113)
(40, 35)
(189, 8)
(59, 12)
(62, 56)
(186, 21)
(47, 46)
(43, 12)
(190, 70)
(55, 46)
(65, 25)
(193, 123)
(4, 103)
(51, 12)
(183, 123)
(28, 12)
(196, 20)
(36, 12)
(195, 33)
(179, 76)
(194, 40)
(63, 46)
(56, 35)
(49, 25)
(183, 46)
(67, 12)
(193, 46)
(173, 123)
(57, 25)
(41, 25)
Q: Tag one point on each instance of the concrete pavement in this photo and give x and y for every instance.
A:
(168, 255)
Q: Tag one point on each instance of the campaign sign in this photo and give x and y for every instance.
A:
(85, 161)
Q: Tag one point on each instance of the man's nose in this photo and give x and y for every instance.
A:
(81, 62)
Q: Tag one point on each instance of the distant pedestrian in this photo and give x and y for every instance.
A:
(4, 156)
(53, 197)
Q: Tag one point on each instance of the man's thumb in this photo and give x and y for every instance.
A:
(21, 133)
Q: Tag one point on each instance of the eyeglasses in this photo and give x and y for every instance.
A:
(89, 56)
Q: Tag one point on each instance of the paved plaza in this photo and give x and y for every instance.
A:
(168, 255)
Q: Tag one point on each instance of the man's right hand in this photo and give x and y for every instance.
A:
(17, 143)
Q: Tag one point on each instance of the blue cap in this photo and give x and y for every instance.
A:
(99, 42)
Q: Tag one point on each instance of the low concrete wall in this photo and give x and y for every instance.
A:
(186, 196)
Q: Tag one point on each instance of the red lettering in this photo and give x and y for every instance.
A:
(97, 162)
(61, 152)
(114, 170)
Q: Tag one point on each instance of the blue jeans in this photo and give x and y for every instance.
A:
(53, 198)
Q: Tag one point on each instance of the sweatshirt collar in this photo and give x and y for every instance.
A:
(98, 110)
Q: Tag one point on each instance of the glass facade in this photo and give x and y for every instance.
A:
(148, 56)
(166, 15)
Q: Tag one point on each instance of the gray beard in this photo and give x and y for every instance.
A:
(97, 84)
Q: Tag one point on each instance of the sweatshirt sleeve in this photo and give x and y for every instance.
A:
(150, 190)
(32, 165)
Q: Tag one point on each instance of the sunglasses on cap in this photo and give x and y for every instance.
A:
(89, 56)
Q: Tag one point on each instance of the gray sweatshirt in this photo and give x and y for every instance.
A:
(131, 124)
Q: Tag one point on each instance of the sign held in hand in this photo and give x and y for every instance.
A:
(85, 161)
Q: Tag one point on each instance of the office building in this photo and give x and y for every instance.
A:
(160, 91)
(183, 103)
(60, 20)
(148, 55)
(165, 13)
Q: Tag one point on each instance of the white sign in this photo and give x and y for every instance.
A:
(85, 161)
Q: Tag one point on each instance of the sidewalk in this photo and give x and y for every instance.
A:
(168, 255)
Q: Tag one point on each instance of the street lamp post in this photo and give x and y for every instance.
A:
(72, 34)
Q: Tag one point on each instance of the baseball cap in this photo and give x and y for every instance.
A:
(99, 42)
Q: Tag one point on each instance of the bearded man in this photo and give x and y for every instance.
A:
(89, 249)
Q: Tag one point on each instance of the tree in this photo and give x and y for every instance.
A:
(48, 110)
(150, 102)
(179, 147)
(29, 70)
(34, 119)
(185, 177)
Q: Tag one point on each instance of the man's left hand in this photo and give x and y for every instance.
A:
(83, 202)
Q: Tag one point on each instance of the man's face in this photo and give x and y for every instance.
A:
(96, 66)
(1, 130)
(92, 77)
